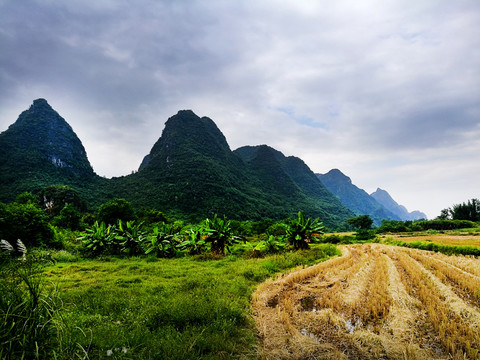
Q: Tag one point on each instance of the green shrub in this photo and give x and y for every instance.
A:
(194, 242)
(271, 245)
(28, 223)
(130, 237)
(277, 229)
(112, 211)
(444, 249)
(332, 239)
(69, 218)
(100, 239)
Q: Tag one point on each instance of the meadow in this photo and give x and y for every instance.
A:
(195, 307)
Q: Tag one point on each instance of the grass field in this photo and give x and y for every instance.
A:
(374, 302)
(149, 308)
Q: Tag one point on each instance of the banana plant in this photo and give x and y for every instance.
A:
(130, 237)
(99, 238)
(194, 242)
(219, 234)
(302, 231)
(271, 245)
(163, 241)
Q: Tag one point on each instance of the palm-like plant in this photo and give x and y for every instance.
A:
(130, 237)
(219, 234)
(100, 238)
(193, 242)
(302, 231)
(163, 241)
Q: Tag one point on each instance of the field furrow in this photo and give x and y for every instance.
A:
(374, 302)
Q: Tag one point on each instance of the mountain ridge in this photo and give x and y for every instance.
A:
(384, 198)
(354, 198)
(190, 171)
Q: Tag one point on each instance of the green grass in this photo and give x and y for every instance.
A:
(148, 308)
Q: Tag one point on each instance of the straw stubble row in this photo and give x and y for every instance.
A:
(375, 301)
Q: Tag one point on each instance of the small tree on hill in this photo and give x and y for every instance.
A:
(363, 223)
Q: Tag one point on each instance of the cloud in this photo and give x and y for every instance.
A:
(377, 89)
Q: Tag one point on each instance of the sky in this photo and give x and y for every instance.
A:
(386, 91)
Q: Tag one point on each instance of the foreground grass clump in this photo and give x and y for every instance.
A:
(180, 308)
(27, 328)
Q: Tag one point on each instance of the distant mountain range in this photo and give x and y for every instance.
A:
(379, 205)
(190, 173)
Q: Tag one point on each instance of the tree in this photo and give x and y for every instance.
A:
(26, 222)
(69, 217)
(466, 211)
(363, 223)
(444, 215)
(114, 210)
(56, 197)
(27, 198)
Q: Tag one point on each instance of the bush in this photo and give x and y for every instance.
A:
(56, 197)
(277, 229)
(28, 223)
(219, 234)
(163, 241)
(446, 224)
(112, 211)
(271, 245)
(100, 239)
(444, 249)
(365, 234)
(332, 239)
(151, 216)
(69, 218)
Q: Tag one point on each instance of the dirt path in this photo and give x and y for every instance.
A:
(373, 302)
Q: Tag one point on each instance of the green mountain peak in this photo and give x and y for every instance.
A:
(41, 148)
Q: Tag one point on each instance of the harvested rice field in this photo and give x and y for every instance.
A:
(443, 239)
(374, 302)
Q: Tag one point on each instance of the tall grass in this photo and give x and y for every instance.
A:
(27, 308)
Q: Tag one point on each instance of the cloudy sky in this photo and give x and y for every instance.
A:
(386, 91)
